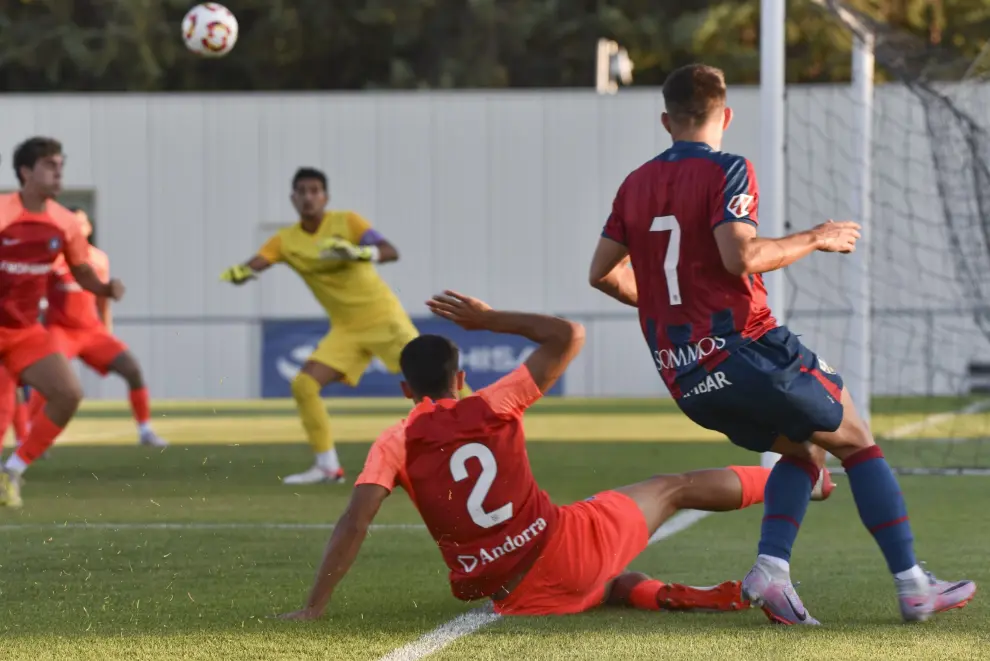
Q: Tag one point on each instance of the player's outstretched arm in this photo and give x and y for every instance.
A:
(559, 340)
(610, 272)
(342, 549)
(241, 273)
(744, 253)
(91, 282)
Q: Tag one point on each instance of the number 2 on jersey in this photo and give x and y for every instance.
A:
(476, 500)
(670, 224)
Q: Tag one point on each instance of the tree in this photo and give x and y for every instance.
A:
(116, 45)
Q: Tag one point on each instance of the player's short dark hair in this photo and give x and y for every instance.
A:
(429, 364)
(309, 174)
(28, 153)
(693, 93)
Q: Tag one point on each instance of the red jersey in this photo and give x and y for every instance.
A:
(30, 243)
(69, 305)
(464, 464)
(692, 311)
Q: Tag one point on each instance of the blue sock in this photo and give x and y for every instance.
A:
(785, 501)
(881, 506)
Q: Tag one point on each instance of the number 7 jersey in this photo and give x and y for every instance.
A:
(692, 311)
(464, 464)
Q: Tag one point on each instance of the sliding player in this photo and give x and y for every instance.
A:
(334, 252)
(34, 231)
(688, 219)
(80, 324)
(464, 464)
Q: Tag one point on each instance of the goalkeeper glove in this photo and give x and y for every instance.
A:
(337, 248)
(238, 275)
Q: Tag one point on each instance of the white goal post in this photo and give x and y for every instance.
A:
(773, 193)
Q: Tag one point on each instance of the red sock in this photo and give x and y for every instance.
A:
(141, 405)
(754, 483)
(35, 403)
(21, 422)
(644, 595)
(41, 437)
(6, 416)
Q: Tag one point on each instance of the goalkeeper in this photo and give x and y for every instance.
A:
(334, 252)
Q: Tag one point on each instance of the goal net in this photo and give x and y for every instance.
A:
(927, 242)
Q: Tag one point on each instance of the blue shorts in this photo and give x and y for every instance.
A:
(774, 386)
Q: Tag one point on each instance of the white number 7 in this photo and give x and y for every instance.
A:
(670, 224)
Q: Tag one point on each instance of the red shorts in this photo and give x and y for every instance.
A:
(94, 346)
(23, 347)
(594, 542)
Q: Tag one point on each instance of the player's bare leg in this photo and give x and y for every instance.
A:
(306, 387)
(659, 498)
(55, 380)
(127, 366)
(882, 510)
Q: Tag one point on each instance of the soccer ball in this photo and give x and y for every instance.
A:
(209, 30)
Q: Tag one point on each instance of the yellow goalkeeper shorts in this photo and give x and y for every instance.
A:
(350, 352)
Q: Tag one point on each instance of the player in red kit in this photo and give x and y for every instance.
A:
(79, 323)
(687, 222)
(463, 462)
(34, 232)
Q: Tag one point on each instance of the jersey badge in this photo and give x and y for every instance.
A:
(739, 205)
(825, 367)
(55, 244)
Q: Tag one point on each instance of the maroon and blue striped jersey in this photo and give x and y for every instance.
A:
(693, 312)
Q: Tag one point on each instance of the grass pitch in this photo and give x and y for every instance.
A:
(126, 553)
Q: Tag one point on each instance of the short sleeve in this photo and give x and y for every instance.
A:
(513, 393)
(615, 226)
(272, 250)
(76, 248)
(386, 458)
(737, 195)
(100, 263)
(361, 231)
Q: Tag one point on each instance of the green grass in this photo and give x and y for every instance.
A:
(204, 593)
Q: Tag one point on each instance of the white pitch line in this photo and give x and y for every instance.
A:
(473, 620)
(905, 431)
(198, 526)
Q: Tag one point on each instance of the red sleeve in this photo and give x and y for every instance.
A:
(615, 226)
(385, 465)
(737, 195)
(513, 393)
(76, 248)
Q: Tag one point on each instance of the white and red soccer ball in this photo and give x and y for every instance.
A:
(209, 30)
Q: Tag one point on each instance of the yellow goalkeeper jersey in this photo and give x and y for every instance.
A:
(352, 293)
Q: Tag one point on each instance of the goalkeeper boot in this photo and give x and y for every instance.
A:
(769, 587)
(316, 475)
(924, 597)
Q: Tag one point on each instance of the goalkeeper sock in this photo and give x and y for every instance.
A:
(315, 420)
(881, 507)
(465, 391)
(786, 498)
